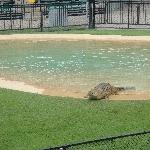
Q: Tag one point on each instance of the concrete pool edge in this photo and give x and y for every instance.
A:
(77, 37)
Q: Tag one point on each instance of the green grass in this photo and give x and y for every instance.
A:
(124, 32)
(30, 121)
(78, 30)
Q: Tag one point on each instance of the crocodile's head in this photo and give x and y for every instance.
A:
(94, 95)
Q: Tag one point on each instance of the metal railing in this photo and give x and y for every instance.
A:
(115, 14)
(136, 141)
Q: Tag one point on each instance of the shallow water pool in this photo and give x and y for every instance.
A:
(75, 65)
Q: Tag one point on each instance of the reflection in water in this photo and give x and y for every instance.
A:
(76, 65)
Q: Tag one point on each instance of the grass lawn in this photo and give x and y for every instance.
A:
(30, 121)
(100, 31)
(123, 32)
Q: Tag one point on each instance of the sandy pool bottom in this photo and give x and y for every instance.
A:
(21, 86)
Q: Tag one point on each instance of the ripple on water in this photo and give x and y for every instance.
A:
(95, 56)
(4, 67)
(41, 57)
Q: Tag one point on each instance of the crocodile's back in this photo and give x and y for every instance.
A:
(103, 87)
(101, 91)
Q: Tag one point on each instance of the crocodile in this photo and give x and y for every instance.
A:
(104, 90)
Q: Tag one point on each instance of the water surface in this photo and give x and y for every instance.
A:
(75, 65)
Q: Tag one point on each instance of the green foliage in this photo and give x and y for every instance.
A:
(31, 121)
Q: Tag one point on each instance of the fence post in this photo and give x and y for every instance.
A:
(41, 23)
(129, 14)
(91, 14)
(10, 13)
(138, 13)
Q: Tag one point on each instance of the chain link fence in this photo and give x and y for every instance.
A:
(134, 141)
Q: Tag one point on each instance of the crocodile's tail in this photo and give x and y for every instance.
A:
(126, 88)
